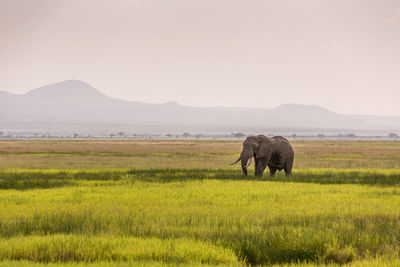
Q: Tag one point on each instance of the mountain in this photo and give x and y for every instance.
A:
(69, 92)
(75, 101)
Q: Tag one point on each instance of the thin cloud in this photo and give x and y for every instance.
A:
(395, 18)
(391, 20)
(338, 45)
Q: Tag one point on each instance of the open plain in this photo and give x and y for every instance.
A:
(145, 203)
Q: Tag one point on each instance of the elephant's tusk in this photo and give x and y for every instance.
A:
(235, 161)
(248, 164)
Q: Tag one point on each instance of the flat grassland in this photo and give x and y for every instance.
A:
(168, 203)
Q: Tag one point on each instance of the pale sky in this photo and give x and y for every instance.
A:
(343, 55)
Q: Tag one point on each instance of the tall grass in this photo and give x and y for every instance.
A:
(104, 204)
(262, 222)
(26, 179)
(65, 248)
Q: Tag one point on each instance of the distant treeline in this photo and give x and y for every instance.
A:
(123, 135)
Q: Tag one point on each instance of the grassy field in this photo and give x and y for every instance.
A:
(164, 203)
(188, 154)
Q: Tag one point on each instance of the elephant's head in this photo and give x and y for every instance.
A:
(254, 146)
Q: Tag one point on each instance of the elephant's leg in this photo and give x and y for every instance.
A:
(288, 168)
(256, 162)
(244, 171)
(260, 166)
(256, 166)
(272, 171)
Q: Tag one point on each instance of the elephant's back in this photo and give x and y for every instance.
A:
(284, 147)
(280, 138)
(282, 142)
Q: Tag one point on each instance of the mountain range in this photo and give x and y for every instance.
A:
(74, 101)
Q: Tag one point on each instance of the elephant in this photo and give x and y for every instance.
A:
(275, 152)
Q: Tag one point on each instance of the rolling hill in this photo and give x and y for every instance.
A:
(74, 101)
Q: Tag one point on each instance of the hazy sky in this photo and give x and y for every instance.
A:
(343, 55)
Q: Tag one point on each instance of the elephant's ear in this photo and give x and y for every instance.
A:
(265, 150)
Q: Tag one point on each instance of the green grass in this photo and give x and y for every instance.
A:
(124, 203)
(133, 263)
(75, 248)
(260, 221)
(381, 262)
(27, 178)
